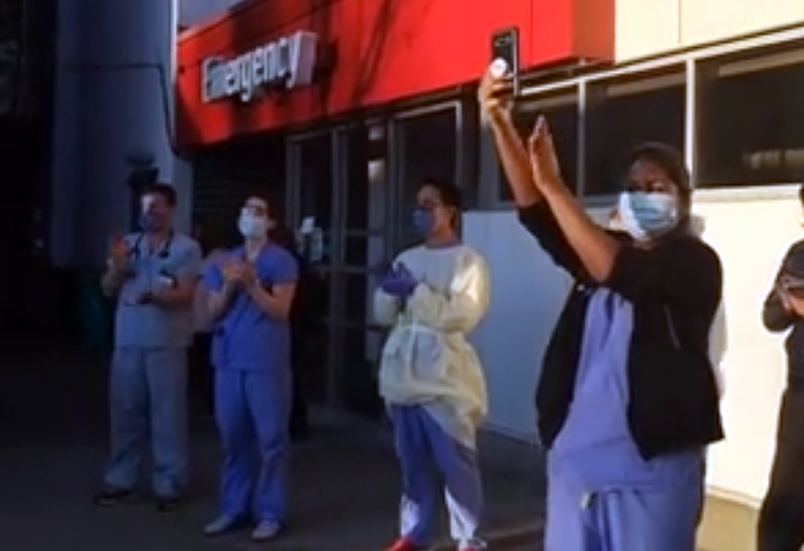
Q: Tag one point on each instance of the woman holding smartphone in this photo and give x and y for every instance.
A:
(627, 399)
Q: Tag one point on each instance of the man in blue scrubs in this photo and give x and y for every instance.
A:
(251, 292)
(153, 274)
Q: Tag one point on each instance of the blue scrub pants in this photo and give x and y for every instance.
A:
(252, 409)
(628, 519)
(434, 464)
(148, 394)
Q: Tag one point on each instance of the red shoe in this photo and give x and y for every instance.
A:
(477, 545)
(403, 544)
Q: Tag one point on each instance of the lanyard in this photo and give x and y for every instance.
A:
(164, 250)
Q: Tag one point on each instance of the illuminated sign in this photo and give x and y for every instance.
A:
(287, 62)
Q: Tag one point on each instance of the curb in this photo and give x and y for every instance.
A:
(512, 537)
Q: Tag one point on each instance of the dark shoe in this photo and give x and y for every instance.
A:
(167, 504)
(111, 496)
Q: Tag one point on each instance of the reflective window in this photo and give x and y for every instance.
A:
(623, 114)
(751, 112)
(317, 187)
(561, 112)
(427, 149)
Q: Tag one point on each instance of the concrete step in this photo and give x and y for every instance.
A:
(727, 525)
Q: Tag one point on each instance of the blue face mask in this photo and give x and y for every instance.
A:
(149, 222)
(423, 221)
(648, 215)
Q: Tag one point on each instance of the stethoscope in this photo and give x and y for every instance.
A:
(162, 254)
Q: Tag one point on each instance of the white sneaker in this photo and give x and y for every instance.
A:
(266, 530)
(221, 525)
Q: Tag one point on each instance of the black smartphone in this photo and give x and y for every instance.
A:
(505, 46)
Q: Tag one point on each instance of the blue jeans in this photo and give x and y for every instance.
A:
(148, 395)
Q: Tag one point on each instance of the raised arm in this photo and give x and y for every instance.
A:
(595, 248)
(534, 214)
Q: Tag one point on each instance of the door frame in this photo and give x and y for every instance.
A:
(396, 153)
(337, 269)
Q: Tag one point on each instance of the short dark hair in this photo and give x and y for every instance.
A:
(449, 193)
(671, 161)
(167, 191)
(271, 200)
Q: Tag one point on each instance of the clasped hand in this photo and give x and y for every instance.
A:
(790, 301)
(239, 274)
(119, 254)
(399, 282)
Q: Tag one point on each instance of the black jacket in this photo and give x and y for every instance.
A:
(675, 289)
(777, 319)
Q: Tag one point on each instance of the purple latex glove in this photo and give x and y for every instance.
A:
(399, 282)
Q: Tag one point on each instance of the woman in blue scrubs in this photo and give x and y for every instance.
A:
(251, 292)
(627, 399)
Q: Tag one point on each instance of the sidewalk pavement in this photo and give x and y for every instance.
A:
(345, 487)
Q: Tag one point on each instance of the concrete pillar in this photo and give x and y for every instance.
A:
(66, 134)
(124, 69)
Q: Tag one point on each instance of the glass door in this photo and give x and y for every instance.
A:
(427, 144)
(338, 183)
(312, 190)
(361, 255)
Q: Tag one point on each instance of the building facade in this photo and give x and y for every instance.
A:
(113, 112)
(342, 111)
(342, 108)
(26, 98)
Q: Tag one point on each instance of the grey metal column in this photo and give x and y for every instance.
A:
(114, 98)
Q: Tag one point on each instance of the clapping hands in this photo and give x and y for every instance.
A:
(119, 253)
(238, 274)
(233, 272)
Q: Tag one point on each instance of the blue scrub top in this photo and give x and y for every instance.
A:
(595, 449)
(147, 325)
(247, 338)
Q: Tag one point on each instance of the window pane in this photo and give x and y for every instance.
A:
(625, 115)
(428, 149)
(357, 178)
(317, 183)
(751, 125)
(317, 188)
(357, 370)
(561, 112)
(358, 295)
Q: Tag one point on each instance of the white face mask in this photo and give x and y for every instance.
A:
(251, 226)
(646, 216)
